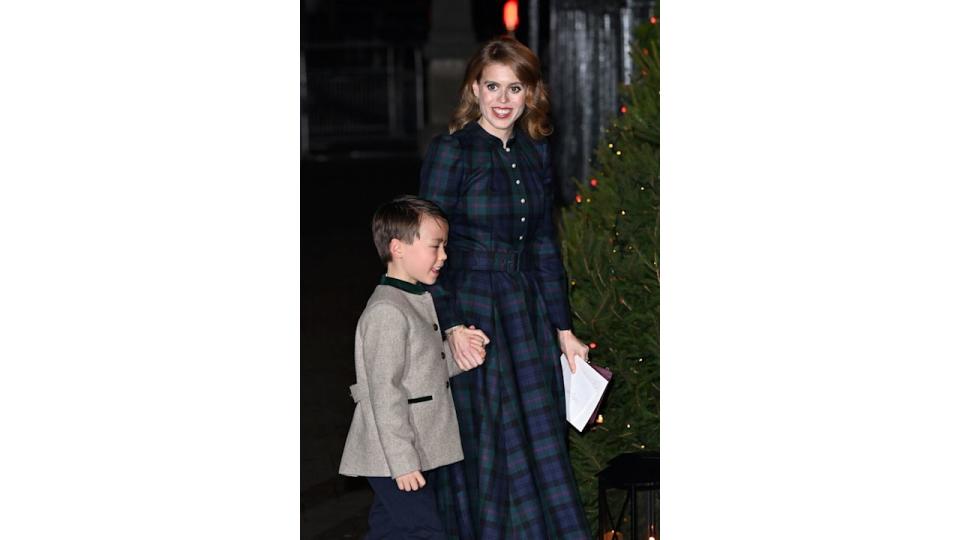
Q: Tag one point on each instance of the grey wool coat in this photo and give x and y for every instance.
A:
(404, 420)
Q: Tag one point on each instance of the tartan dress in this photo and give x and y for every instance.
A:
(504, 275)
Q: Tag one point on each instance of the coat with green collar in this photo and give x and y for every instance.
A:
(404, 420)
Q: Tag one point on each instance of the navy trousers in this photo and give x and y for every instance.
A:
(399, 515)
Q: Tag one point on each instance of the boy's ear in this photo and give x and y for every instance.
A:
(396, 248)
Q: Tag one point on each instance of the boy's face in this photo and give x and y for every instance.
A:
(421, 260)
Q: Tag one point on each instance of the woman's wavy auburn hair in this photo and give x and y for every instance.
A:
(518, 57)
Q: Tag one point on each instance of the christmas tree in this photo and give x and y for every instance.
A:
(611, 249)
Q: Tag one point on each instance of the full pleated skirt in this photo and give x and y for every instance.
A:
(516, 480)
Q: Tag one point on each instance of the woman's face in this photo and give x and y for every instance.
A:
(501, 96)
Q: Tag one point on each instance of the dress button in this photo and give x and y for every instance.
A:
(514, 165)
(518, 181)
(523, 201)
(521, 237)
(508, 149)
(523, 219)
(435, 327)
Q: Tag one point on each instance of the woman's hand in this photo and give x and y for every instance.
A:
(467, 345)
(572, 348)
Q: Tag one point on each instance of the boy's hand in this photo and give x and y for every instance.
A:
(411, 481)
(467, 345)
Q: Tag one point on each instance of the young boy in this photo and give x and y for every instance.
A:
(404, 424)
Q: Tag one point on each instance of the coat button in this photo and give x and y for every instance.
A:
(435, 327)
(443, 354)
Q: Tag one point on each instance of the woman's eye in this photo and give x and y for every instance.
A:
(492, 87)
(515, 89)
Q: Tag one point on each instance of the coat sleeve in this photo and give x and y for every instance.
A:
(385, 362)
(546, 252)
(452, 367)
(440, 180)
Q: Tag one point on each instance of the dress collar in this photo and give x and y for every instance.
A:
(478, 130)
(406, 286)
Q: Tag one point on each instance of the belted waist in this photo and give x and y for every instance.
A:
(490, 261)
(359, 393)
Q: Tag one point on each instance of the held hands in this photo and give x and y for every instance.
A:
(572, 348)
(467, 345)
(411, 481)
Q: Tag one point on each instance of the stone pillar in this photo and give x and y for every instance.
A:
(304, 117)
(448, 48)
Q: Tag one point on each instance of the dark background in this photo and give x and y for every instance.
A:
(379, 79)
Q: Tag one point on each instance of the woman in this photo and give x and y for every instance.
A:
(491, 176)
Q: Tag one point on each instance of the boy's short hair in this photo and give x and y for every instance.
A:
(400, 219)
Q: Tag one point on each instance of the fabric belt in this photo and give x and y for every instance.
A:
(491, 261)
(359, 393)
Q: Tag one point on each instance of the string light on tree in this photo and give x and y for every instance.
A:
(618, 301)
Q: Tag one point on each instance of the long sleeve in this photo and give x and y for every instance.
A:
(384, 360)
(452, 368)
(549, 264)
(440, 179)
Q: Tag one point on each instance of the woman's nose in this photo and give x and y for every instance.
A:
(503, 97)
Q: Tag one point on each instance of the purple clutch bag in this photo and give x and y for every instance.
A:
(608, 375)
